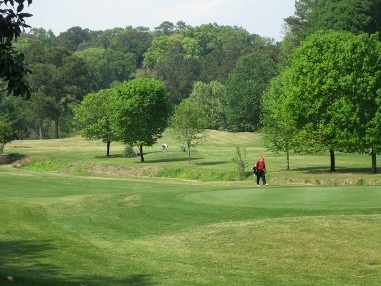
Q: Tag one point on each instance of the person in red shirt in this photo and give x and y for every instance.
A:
(261, 171)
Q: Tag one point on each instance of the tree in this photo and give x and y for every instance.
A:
(333, 88)
(13, 69)
(94, 117)
(141, 111)
(244, 90)
(278, 129)
(6, 135)
(61, 79)
(188, 122)
(356, 16)
(211, 98)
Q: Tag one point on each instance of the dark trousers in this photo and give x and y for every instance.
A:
(261, 174)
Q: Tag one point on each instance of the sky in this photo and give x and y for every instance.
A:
(262, 17)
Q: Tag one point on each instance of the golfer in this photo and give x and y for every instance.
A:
(261, 171)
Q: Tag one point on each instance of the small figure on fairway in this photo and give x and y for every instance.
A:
(261, 171)
(165, 147)
(182, 148)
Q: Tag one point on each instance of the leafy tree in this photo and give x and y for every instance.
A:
(61, 79)
(6, 135)
(13, 69)
(141, 112)
(188, 122)
(278, 129)
(94, 117)
(12, 112)
(333, 84)
(244, 90)
(211, 98)
(72, 38)
(175, 60)
(356, 16)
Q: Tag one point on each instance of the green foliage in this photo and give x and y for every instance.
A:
(211, 98)
(6, 135)
(355, 16)
(13, 69)
(141, 112)
(188, 122)
(61, 78)
(244, 91)
(129, 152)
(240, 162)
(94, 117)
(331, 90)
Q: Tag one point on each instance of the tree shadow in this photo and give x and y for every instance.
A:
(14, 157)
(212, 163)
(19, 265)
(326, 170)
(175, 159)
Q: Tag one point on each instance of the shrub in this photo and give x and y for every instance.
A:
(6, 135)
(129, 152)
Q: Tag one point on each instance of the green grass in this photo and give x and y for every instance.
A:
(73, 217)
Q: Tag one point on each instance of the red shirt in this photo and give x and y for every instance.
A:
(261, 165)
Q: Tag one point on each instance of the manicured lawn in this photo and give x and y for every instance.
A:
(75, 230)
(71, 216)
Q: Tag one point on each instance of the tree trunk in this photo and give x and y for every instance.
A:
(108, 148)
(56, 127)
(189, 159)
(333, 164)
(374, 161)
(141, 153)
(40, 131)
(288, 160)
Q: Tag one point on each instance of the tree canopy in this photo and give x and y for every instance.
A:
(13, 69)
(141, 112)
(332, 88)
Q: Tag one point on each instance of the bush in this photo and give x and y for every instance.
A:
(6, 135)
(129, 152)
(240, 162)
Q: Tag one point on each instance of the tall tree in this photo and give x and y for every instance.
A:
(188, 123)
(141, 112)
(13, 69)
(61, 79)
(245, 88)
(211, 98)
(356, 16)
(94, 117)
(333, 91)
(279, 130)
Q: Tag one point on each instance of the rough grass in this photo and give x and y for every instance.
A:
(211, 161)
(71, 216)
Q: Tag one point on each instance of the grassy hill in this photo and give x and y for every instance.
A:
(211, 161)
(70, 216)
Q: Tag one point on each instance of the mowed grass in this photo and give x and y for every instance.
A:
(81, 219)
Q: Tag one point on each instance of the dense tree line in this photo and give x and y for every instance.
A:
(79, 61)
(327, 96)
(317, 90)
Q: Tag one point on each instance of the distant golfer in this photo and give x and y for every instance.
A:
(165, 147)
(261, 171)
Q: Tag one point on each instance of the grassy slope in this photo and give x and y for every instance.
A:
(70, 226)
(211, 161)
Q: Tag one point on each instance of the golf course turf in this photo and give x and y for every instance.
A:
(69, 226)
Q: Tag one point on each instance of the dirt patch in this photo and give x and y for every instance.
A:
(117, 170)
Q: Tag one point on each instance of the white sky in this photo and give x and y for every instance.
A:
(262, 17)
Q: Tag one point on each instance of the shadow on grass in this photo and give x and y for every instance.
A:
(341, 170)
(20, 265)
(14, 157)
(175, 159)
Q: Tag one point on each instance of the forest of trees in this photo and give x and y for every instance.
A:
(319, 89)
